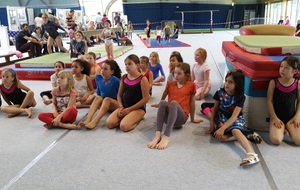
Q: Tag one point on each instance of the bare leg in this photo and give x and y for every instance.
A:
(28, 100)
(46, 100)
(130, 121)
(108, 104)
(67, 125)
(12, 111)
(276, 134)
(49, 45)
(294, 133)
(155, 141)
(60, 46)
(113, 120)
(111, 51)
(94, 107)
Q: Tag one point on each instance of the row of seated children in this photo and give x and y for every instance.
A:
(227, 122)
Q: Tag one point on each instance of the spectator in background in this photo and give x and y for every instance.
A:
(297, 33)
(176, 30)
(70, 19)
(22, 44)
(117, 18)
(53, 18)
(37, 34)
(104, 18)
(287, 21)
(38, 21)
(280, 20)
(98, 21)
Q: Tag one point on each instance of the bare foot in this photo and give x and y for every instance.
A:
(68, 125)
(83, 123)
(163, 143)
(47, 126)
(29, 112)
(10, 115)
(47, 102)
(91, 125)
(155, 141)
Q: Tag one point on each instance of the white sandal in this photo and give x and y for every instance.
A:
(254, 137)
(251, 159)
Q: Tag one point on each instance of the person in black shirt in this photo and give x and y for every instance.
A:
(52, 28)
(22, 44)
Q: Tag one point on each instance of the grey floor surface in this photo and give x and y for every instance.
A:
(32, 157)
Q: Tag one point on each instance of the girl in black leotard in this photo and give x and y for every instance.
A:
(51, 28)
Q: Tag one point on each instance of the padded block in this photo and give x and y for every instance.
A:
(269, 45)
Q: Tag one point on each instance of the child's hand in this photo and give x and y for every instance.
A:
(83, 99)
(295, 121)
(219, 133)
(125, 111)
(120, 109)
(277, 123)
(196, 120)
(56, 121)
(154, 105)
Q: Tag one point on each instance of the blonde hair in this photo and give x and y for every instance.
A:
(69, 76)
(202, 52)
(155, 54)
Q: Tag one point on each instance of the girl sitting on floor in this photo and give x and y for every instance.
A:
(107, 90)
(46, 95)
(12, 91)
(64, 110)
(83, 84)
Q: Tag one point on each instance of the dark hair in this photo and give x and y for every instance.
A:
(108, 21)
(186, 70)
(115, 67)
(85, 65)
(40, 14)
(34, 30)
(23, 25)
(73, 26)
(177, 55)
(62, 63)
(238, 78)
(292, 61)
(133, 58)
(145, 59)
(71, 10)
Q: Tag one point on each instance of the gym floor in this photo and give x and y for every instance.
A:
(32, 157)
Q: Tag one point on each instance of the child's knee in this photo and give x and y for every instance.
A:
(276, 140)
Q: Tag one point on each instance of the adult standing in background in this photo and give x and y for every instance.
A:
(176, 30)
(23, 46)
(38, 21)
(117, 18)
(70, 19)
(98, 21)
(104, 18)
(52, 28)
